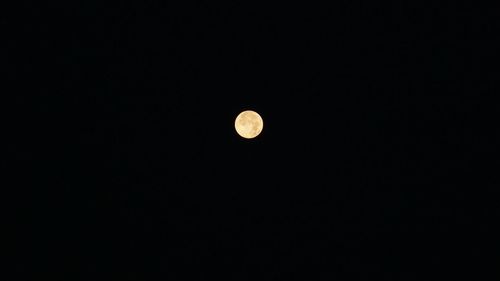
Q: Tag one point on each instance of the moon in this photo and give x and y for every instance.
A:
(248, 124)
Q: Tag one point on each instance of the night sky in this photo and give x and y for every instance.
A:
(370, 165)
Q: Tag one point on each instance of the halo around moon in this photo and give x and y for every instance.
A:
(248, 124)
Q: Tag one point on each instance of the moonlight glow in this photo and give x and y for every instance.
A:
(248, 124)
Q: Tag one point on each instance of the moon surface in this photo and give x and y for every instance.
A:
(248, 124)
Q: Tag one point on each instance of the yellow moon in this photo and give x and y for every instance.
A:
(248, 124)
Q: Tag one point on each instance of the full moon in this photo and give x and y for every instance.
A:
(248, 124)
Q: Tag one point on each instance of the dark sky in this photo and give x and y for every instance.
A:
(128, 166)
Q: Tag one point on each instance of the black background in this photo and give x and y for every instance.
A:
(371, 164)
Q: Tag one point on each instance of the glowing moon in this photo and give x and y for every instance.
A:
(248, 124)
